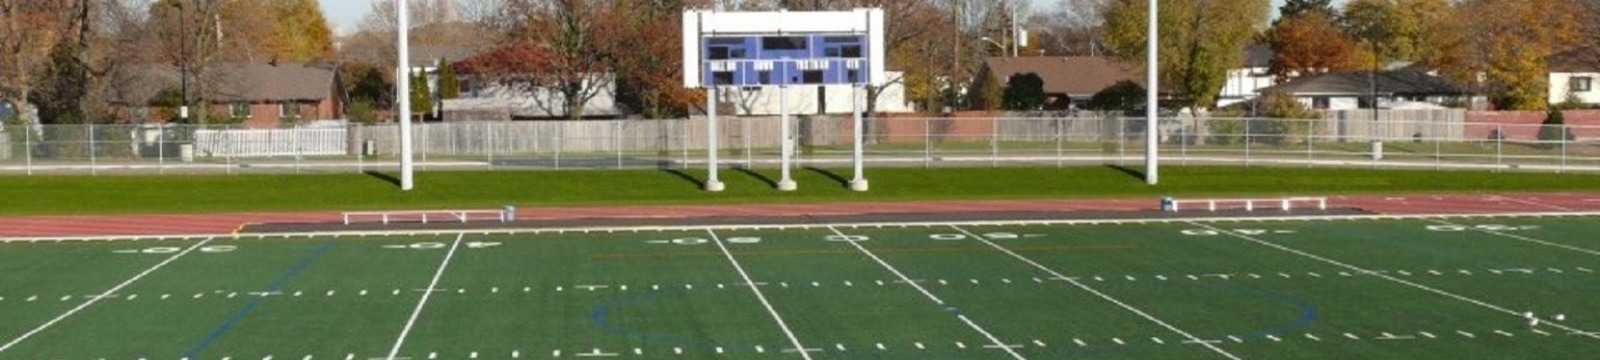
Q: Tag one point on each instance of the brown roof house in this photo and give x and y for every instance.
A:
(1069, 82)
(255, 95)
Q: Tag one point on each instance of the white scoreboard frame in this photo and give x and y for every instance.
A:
(700, 24)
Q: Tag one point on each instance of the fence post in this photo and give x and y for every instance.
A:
(617, 140)
(1183, 142)
(488, 136)
(161, 149)
(559, 139)
(994, 142)
(1439, 144)
(744, 132)
(927, 143)
(1247, 140)
(27, 141)
(1499, 146)
(297, 147)
(94, 164)
(1311, 140)
(1564, 137)
(1122, 142)
(1061, 139)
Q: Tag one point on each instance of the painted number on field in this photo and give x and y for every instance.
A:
(990, 236)
(848, 238)
(1244, 232)
(1489, 227)
(213, 249)
(440, 245)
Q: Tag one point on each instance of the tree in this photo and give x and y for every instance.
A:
(1397, 30)
(449, 86)
(1123, 96)
(421, 96)
(1500, 46)
(578, 68)
(1201, 40)
(1308, 44)
(300, 33)
(1298, 8)
(1024, 92)
(1554, 129)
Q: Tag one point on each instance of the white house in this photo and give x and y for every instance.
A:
(1355, 89)
(1246, 81)
(815, 100)
(483, 97)
(1573, 74)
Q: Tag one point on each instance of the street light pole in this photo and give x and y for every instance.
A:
(402, 81)
(183, 62)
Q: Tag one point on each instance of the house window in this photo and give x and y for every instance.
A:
(239, 110)
(1321, 103)
(1582, 84)
(289, 110)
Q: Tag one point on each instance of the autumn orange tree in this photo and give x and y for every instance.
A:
(1506, 42)
(1310, 43)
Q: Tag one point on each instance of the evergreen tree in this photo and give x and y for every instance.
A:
(1024, 92)
(421, 96)
(449, 87)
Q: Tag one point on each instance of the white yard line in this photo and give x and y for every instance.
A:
(416, 313)
(997, 343)
(759, 296)
(538, 231)
(102, 295)
(1526, 239)
(1102, 295)
(1447, 294)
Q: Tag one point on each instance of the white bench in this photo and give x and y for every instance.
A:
(1285, 204)
(425, 216)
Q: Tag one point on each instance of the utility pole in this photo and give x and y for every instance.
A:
(1152, 109)
(183, 62)
(402, 82)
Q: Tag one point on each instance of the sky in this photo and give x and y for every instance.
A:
(345, 14)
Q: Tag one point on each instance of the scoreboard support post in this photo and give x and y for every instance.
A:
(777, 50)
(859, 182)
(712, 183)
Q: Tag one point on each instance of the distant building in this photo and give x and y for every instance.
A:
(258, 95)
(484, 97)
(1245, 81)
(1573, 74)
(815, 99)
(1069, 82)
(1354, 89)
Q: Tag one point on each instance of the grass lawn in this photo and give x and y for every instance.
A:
(47, 195)
(1343, 289)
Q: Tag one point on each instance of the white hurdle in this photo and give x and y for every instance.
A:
(461, 216)
(1212, 205)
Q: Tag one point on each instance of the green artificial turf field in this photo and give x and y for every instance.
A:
(1326, 289)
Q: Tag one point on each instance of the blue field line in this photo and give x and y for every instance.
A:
(276, 285)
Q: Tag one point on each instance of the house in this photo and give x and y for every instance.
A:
(487, 93)
(1573, 74)
(255, 95)
(1355, 89)
(1245, 82)
(1069, 82)
(815, 99)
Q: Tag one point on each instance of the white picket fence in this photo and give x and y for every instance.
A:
(272, 142)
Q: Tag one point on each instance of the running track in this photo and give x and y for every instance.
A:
(195, 224)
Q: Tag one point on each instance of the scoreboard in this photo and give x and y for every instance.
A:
(743, 61)
(755, 49)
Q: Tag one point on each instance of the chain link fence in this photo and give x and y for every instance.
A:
(823, 141)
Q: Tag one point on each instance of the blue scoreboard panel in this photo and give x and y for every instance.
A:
(815, 59)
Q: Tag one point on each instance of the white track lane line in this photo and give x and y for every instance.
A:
(759, 296)
(997, 343)
(103, 295)
(416, 313)
(1102, 295)
(1574, 331)
(1524, 238)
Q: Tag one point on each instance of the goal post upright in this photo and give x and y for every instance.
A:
(776, 50)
